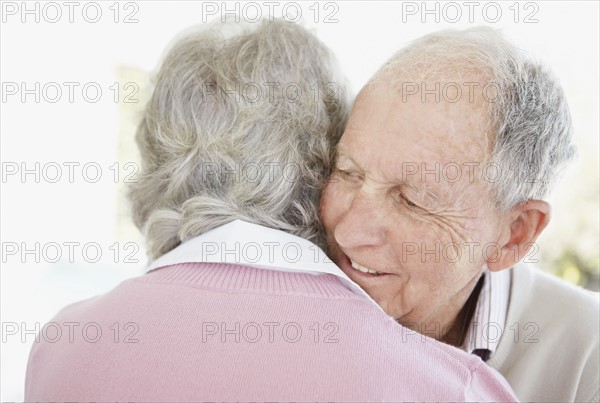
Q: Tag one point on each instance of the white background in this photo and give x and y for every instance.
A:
(565, 37)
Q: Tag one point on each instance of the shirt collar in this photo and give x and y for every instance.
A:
(489, 319)
(257, 246)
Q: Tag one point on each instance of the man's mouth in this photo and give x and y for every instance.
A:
(364, 269)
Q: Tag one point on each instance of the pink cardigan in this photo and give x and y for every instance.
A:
(206, 331)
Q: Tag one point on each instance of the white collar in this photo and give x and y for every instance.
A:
(489, 319)
(248, 244)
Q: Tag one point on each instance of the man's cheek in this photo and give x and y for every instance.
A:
(336, 199)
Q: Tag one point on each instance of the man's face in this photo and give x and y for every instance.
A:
(397, 203)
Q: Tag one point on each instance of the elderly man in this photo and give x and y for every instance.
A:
(437, 194)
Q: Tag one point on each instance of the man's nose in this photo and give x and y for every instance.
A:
(362, 225)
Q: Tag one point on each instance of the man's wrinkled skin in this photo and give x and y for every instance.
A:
(380, 213)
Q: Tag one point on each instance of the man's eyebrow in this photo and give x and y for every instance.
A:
(423, 191)
(341, 153)
(420, 188)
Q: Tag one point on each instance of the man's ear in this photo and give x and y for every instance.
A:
(526, 221)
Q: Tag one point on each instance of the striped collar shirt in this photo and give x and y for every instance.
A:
(489, 319)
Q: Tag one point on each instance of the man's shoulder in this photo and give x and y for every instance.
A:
(560, 310)
(535, 292)
(550, 346)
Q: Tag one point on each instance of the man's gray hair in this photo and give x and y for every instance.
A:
(240, 125)
(530, 122)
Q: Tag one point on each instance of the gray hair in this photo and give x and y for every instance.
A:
(530, 132)
(240, 125)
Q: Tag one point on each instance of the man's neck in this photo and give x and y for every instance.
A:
(457, 332)
(450, 324)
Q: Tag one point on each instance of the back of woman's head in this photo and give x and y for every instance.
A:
(239, 126)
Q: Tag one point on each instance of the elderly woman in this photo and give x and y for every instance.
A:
(239, 302)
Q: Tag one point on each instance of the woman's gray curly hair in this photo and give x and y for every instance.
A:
(239, 126)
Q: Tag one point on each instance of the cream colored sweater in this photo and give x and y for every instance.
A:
(549, 348)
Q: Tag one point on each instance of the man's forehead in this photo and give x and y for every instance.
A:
(452, 130)
(458, 96)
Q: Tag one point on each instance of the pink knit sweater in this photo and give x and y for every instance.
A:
(205, 331)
